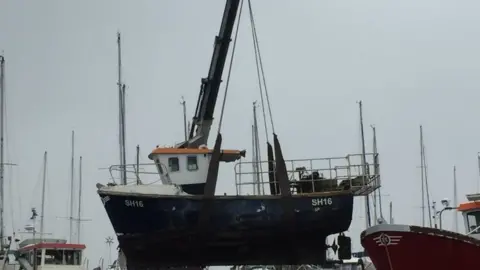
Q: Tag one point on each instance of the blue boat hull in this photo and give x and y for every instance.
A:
(163, 230)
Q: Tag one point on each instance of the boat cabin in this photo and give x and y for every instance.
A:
(188, 167)
(46, 255)
(471, 215)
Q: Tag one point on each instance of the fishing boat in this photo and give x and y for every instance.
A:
(49, 253)
(182, 223)
(392, 246)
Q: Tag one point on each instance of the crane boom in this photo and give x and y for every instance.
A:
(203, 118)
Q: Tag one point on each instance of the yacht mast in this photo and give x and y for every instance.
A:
(455, 202)
(2, 161)
(79, 214)
(72, 187)
(121, 115)
(44, 180)
(425, 174)
(422, 175)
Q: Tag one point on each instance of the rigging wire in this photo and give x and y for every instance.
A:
(260, 86)
(227, 83)
(257, 48)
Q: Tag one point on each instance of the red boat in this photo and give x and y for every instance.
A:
(408, 247)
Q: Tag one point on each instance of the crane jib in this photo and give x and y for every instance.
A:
(208, 95)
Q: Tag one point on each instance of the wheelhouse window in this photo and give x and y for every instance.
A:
(173, 164)
(473, 221)
(192, 164)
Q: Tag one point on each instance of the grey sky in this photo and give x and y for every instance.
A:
(410, 61)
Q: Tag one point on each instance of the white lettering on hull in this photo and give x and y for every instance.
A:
(133, 203)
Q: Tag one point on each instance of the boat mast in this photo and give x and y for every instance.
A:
(425, 174)
(364, 167)
(44, 180)
(72, 183)
(79, 217)
(2, 161)
(455, 202)
(422, 175)
(121, 116)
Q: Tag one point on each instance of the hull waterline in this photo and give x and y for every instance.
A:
(397, 247)
(163, 230)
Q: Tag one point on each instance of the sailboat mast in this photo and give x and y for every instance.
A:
(422, 175)
(44, 180)
(455, 202)
(2, 161)
(364, 167)
(427, 190)
(121, 115)
(72, 183)
(79, 214)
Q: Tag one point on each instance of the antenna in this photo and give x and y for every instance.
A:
(185, 127)
(72, 179)
(364, 167)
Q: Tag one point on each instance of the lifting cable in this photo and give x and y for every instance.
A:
(230, 68)
(260, 71)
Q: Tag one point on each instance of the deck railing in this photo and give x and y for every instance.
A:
(305, 175)
(142, 173)
(313, 175)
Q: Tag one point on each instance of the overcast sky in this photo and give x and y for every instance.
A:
(411, 62)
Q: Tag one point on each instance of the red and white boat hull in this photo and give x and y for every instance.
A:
(405, 247)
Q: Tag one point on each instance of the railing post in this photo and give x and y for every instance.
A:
(311, 175)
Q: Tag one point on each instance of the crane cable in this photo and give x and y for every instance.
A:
(260, 72)
(230, 68)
